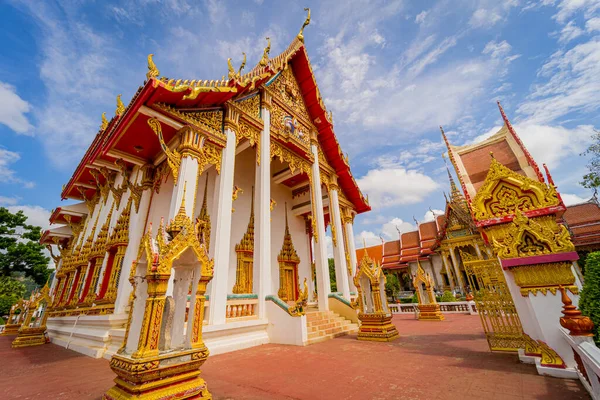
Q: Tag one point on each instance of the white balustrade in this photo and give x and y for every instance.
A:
(241, 309)
(587, 357)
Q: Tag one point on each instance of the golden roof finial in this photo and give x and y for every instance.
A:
(153, 72)
(265, 58)
(104, 122)
(178, 222)
(120, 106)
(242, 66)
(304, 25)
(231, 71)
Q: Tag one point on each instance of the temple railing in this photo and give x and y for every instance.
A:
(241, 307)
(455, 307)
(587, 357)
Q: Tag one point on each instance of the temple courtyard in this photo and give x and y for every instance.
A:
(431, 360)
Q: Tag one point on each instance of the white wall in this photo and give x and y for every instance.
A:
(161, 202)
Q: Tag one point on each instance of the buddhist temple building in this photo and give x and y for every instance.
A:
(254, 160)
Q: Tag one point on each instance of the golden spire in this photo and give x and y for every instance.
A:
(265, 58)
(288, 252)
(304, 25)
(203, 220)
(178, 222)
(120, 106)
(204, 209)
(153, 72)
(104, 122)
(247, 242)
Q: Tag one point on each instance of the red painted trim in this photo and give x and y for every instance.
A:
(547, 258)
(88, 281)
(106, 276)
(75, 284)
(529, 214)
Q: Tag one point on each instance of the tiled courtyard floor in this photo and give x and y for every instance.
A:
(431, 360)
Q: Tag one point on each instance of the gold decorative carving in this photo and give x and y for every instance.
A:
(251, 106)
(265, 57)
(173, 156)
(245, 256)
(544, 277)
(249, 132)
(153, 72)
(210, 121)
(203, 220)
(234, 195)
(300, 35)
(550, 358)
(525, 237)
(104, 122)
(288, 267)
(120, 107)
(505, 192)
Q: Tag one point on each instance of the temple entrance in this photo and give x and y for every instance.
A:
(495, 305)
(288, 290)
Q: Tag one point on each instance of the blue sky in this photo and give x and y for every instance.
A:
(391, 72)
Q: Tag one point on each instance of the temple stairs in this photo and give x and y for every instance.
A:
(325, 325)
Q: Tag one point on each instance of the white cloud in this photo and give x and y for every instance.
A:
(592, 24)
(8, 201)
(567, 8)
(554, 144)
(7, 174)
(396, 186)
(569, 83)
(420, 18)
(569, 32)
(329, 244)
(368, 238)
(36, 215)
(570, 199)
(390, 229)
(483, 18)
(13, 109)
(431, 214)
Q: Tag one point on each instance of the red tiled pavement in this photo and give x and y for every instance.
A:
(431, 360)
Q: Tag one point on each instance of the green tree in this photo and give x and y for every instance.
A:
(11, 291)
(448, 297)
(392, 285)
(589, 302)
(332, 281)
(591, 180)
(20, 250)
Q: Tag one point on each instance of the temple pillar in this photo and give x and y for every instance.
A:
(137, 226)
(221, 232)
(459, 279)
(478, 251)
(341, 273)
(322, 267)
(348, 225)
(262, 222)
(444, 256)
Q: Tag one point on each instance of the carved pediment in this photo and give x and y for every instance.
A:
(525, 237)
(505, 192)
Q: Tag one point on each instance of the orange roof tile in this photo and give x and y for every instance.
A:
(375, 252)
(583, 213)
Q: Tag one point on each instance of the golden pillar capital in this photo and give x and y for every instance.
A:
(232, 117)
(266, 100)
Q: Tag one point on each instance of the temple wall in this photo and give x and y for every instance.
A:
(161, 201)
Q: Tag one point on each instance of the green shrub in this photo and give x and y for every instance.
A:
(589, 302)
(2, 321)
(406, 300)
(448, 297)
(438, 298)
(415, 298)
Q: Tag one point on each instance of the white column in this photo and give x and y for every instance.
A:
(459, 278)
(341, 272)
(187, 178)
(352, 250)
(322, 267)
(449, 273)
(221, 232)
(262, 221)
(478, 250)
(137, 226)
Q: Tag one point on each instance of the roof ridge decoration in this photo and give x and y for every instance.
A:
(153, 72)
(530, 159)
(120, 106)
(453, 161)
(287, 252)
(304, 25)
(505, 192)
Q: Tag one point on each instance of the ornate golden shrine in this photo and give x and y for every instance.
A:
(245, 256)
(33, 329)
(143, 370)
(288, 267)
(15, 319)
(429, 309)
(374, 314)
